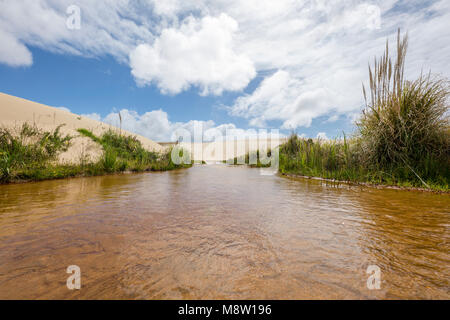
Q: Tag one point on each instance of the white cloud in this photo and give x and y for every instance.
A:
(282, 97)
(332, 119)
(156, 125)
(12, 52)
(198, 53)
(322, 136)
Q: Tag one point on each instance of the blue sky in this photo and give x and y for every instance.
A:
(289, 65)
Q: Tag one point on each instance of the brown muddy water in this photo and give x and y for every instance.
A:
(223, 232)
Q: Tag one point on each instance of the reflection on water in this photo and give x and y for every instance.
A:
(215, 232)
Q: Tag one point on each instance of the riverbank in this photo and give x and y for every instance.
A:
(365, 179)
(366, 184)
(343, 161)
(340, 161)
(85, 174)
(58, 172)
(29, 153)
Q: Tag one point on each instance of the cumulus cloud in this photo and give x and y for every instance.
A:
(199, 52)
(156, 125)
(322, 136)
(282, 97)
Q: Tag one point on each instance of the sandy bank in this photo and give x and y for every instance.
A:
(16, 111)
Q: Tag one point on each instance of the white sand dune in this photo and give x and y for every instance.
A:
(229, 149)
(16, 111)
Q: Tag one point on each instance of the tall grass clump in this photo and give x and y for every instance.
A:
(123, 152)
(26, 149)
(404, 128)
(402, 137)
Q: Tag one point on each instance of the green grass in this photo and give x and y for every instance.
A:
(123, 153)
(327, 159)
(31, 154)
(28, 148)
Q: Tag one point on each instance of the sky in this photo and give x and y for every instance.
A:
(295, 66)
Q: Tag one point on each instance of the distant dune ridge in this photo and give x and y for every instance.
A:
(229, 149)
(16, 111)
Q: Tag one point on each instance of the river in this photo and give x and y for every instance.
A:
(221, 232)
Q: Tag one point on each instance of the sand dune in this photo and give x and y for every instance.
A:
(15, 111)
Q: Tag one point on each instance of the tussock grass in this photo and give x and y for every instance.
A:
(404, 128)
(402, 138)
